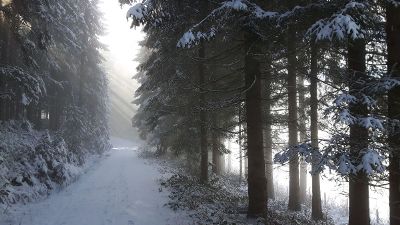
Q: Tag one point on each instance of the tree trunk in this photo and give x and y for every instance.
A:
(3, 61)
(294, 189)
(316, 208)
(203, 119)
(240, 145)
(255, 153)
(303, 137)
(358, 184)
(216, 153)
(269, 169)
(229, 158)
(54, 113)
(19, 107)
(393, 45)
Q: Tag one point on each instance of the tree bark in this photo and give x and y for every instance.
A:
(54, 113)
(358, 184)
(294, 188)
(203, 119)
(255, 153)
(216, 153)
(316, 207)
(240, 145)
(3, 60)
(393, 46)
(303, 137)
(269, 169)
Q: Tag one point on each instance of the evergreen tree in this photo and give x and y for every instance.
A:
(393, 65)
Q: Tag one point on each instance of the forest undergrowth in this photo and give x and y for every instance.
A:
(33, 163)
(223, 200)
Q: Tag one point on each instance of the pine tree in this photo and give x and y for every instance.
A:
(316, 212)
(294, 188)
(267, 131)
(358, 184)
(43, 35)
(303, 137)
(255, 153)
(393, 48)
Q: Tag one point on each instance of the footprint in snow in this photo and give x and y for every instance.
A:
(130, 222)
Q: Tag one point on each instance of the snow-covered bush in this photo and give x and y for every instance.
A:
(32, 163)
(223, 200)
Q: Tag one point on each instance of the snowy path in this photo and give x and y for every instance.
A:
(121, 190)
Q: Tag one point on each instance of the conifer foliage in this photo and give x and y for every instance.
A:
(52, 81)
(208, 64)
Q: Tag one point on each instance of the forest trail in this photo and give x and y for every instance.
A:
(122, 189)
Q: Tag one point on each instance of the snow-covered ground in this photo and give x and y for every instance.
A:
(121, 189)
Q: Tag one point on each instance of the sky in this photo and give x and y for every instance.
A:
(120, 39)
(123, 47)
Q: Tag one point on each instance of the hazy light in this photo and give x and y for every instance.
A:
(121, 40)
(5, 2)
(123, 48)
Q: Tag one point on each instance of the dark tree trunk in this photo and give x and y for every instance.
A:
(32, 111)
(269, 170)
(316, 211)
(216, 153)
(13, 59)
(255, 153)
(393, 45)
(294, 188)
(203, 113)
(303, 137)
(54, 115)
(81, 84)
(203, 119)
(358, 184)
(19, 107)
(3, 61)
(240, 145)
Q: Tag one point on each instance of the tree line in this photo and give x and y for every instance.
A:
(50, 70)
(252, 70)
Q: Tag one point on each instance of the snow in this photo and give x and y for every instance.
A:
(24, 100)
(236, 5)
(262, 14)
(190, 39)
(246, 6)
(371, 123)
(345, 166)
(385, 84)
(339, 25)
(33, 85)
(217, 18)
(346, 117)
(137, 12)
(186, 39)
(394, 2)
(371, 161)
(344, 99)
(121, 189)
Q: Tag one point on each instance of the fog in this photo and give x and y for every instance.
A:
(123, 47)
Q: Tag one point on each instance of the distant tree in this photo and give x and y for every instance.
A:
(50, 62)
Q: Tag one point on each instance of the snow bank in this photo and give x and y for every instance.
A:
(32, 163)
